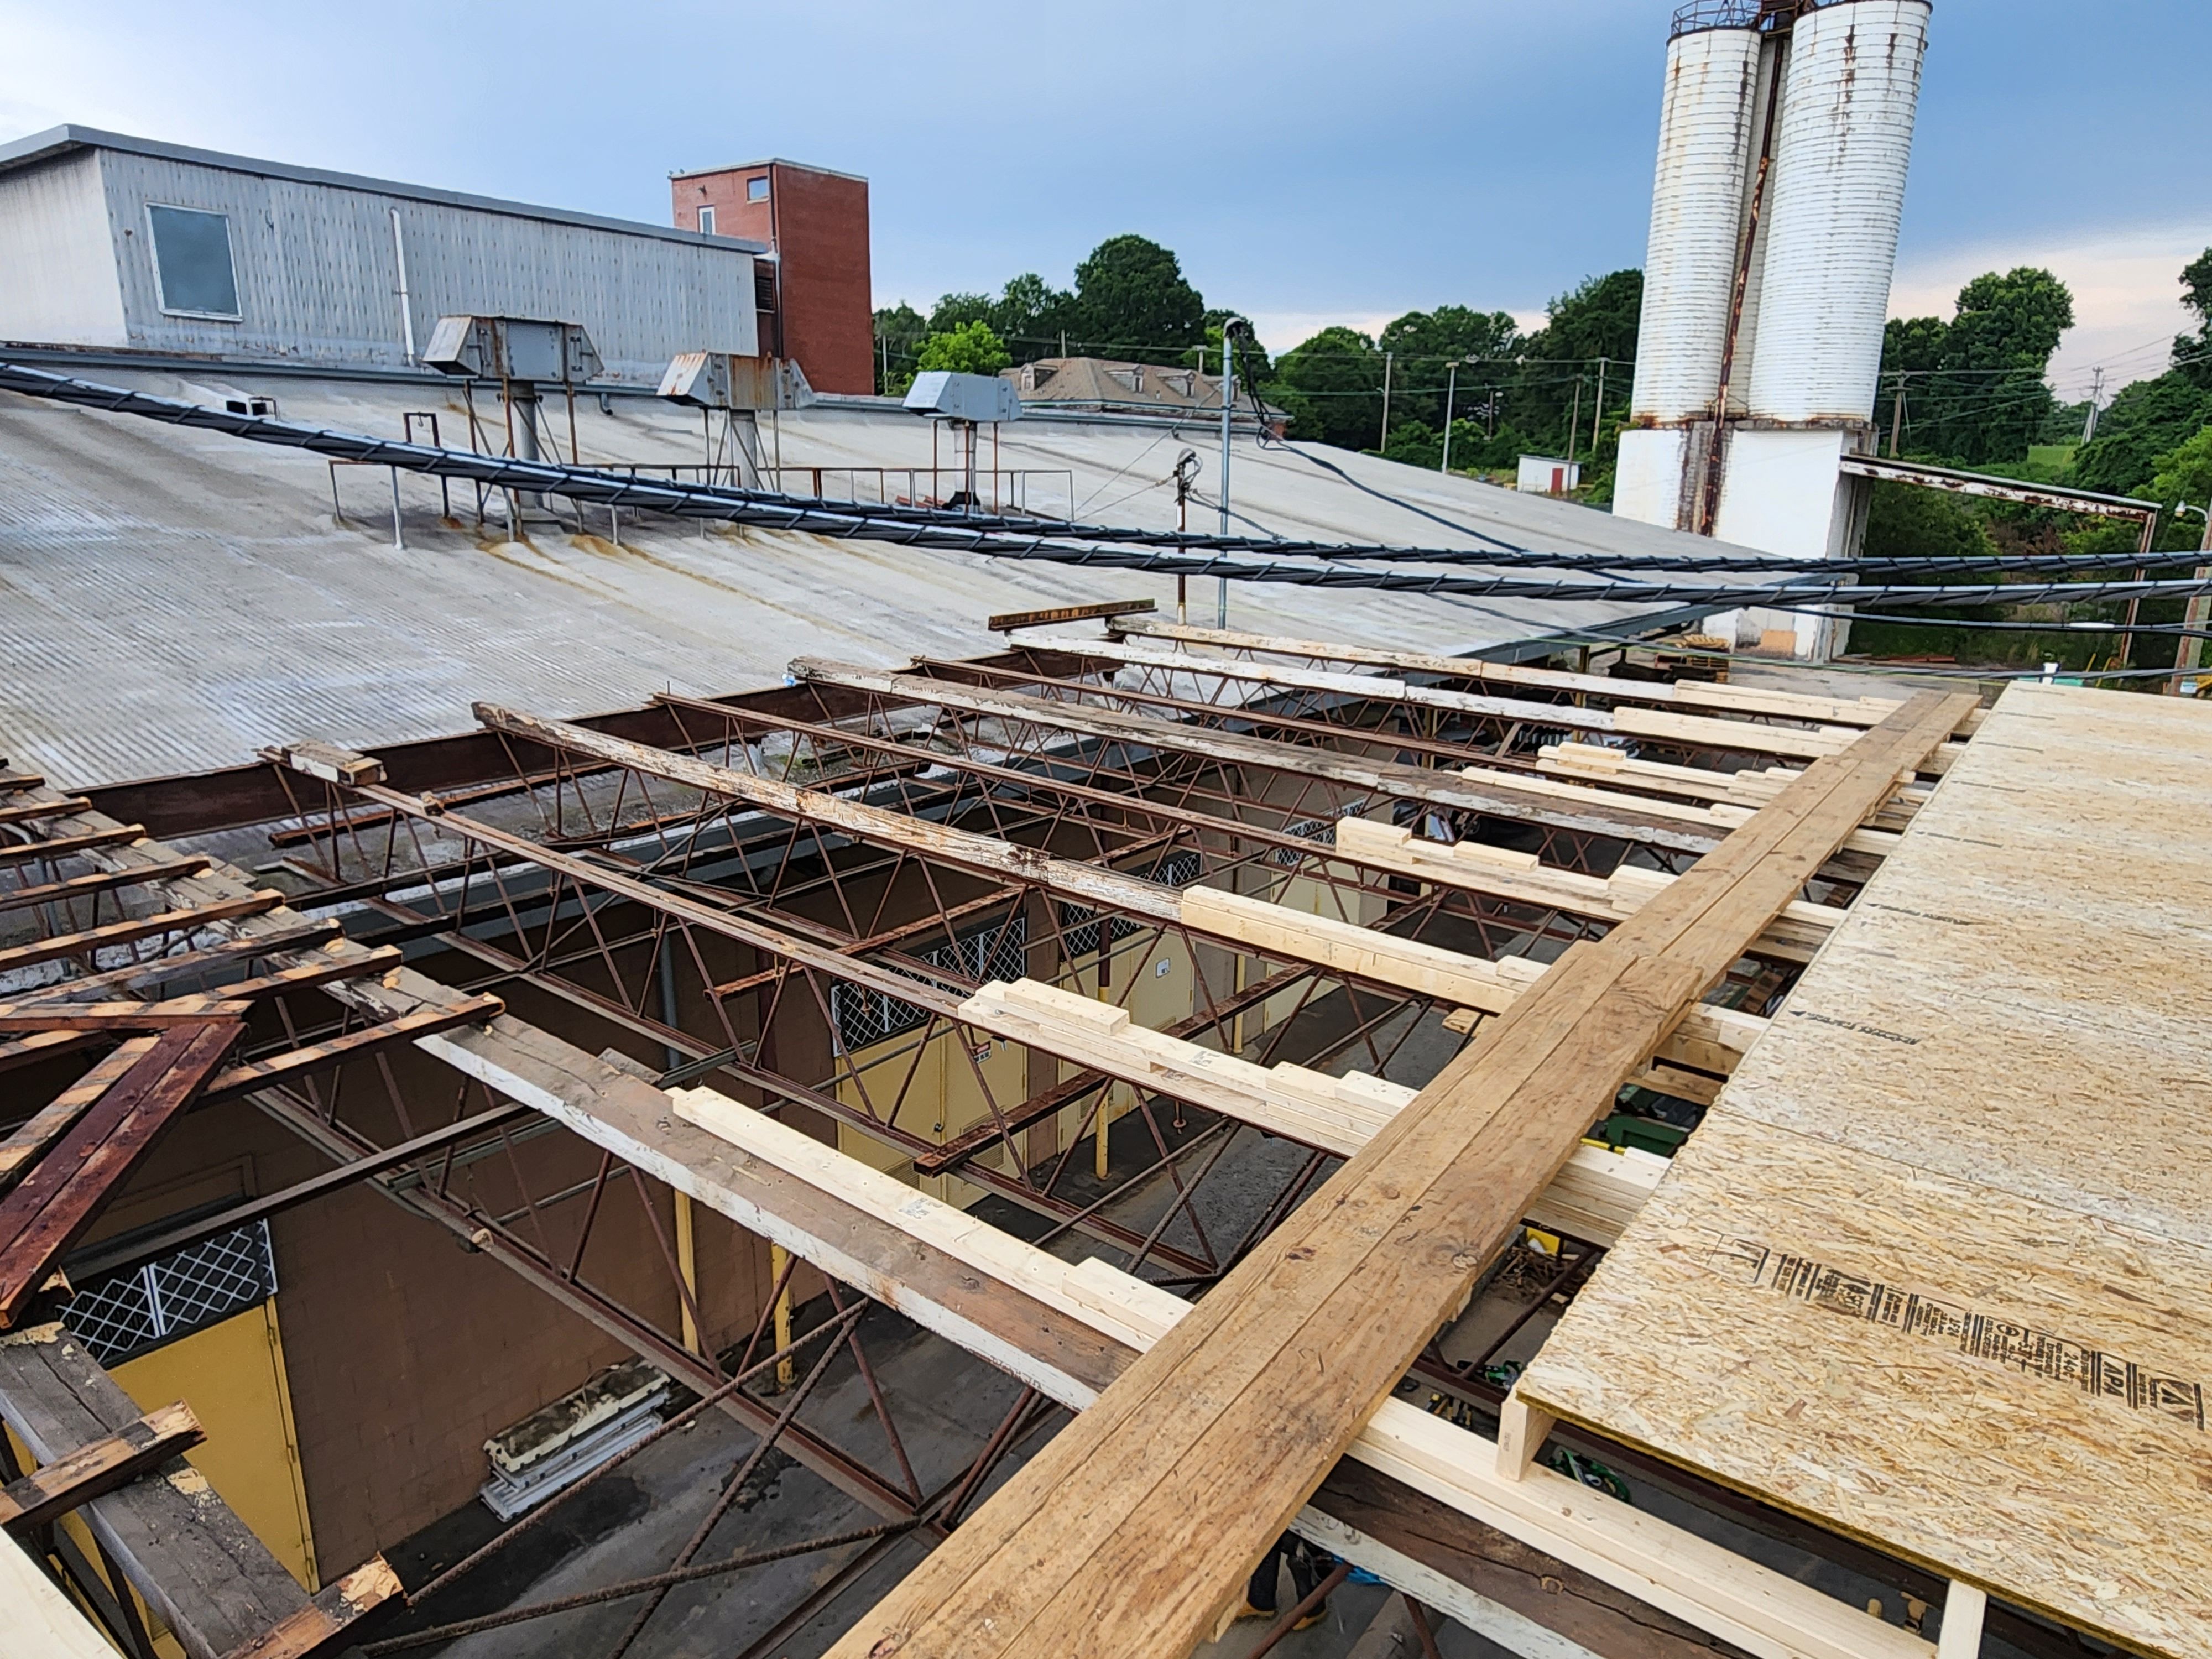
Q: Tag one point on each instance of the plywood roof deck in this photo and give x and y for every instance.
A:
(1937, 1271)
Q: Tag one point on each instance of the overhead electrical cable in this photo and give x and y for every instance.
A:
(1064, 545)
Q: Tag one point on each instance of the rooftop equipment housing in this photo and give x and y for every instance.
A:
(732, 381)
(513, 349)
(976, 399)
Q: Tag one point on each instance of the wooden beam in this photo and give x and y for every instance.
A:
(100, 1466)
(1964, 1609)
(124, 933)
(1007, 622)
(1522, 1432)
(1069, 1091)
(1699, 693)
(1131, 1529)
(1430, 785)
(101, 881)
(198, 1566)
(329, 761)
(61, 847)
(1593, 1196)
(1499, 872)
(1344, 948)
(61, 1194)
(35, 1134)
(32, 811)
(1727, 736)
(117, 1015)
(1403, 1450)
(253, 1074)
(1069, 1331)
(334, 1620)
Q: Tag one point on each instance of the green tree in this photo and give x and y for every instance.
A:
(1332, 386)
(1973, 387)
(1033, 317)
(1423, 345)
(900, 331)
(1134, 303)
(2184, 475)
(2192, 353)
(1556, 382)
(970, 349)
(2147, 420)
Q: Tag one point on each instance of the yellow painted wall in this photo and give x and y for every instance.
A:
(943, 1099)
(232, 1374)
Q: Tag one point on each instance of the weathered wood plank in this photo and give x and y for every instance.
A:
(100, 881)
(156, 971)
(61, 847)
(1433, 786)
(45, 1125)
(340, 1615)
(117, 1015)
(61, 1194)
(32, 811)
(211, 1581)
(99, 1467)
(89, 939)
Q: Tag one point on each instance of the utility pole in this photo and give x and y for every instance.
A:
(1228, 327)
(2189, 649)
(1897, 415)
(1597, 416)
(2096, 396)
(1451, 387)
(1384, 442)
(1575, 421)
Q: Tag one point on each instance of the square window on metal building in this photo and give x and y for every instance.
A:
(192, 270)
(757, 189)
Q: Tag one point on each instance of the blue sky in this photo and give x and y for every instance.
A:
(1312, 163)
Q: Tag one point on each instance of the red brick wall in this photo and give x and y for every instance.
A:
(818, 222)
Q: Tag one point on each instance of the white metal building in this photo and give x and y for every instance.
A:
(126, 244)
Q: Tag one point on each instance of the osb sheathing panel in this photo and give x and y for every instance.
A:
(1937, 1269)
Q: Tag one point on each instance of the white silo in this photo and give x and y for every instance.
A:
(1697, 213)
(1841, 147)
(1787, 126)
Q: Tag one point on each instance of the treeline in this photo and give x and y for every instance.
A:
(1562, 387)
(1972, 390)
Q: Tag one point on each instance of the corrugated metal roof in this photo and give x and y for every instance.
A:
(171, 600)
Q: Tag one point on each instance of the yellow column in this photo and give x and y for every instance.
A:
(687, 1263)
(778, 1259)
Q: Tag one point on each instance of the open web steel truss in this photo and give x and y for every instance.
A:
(713, 940)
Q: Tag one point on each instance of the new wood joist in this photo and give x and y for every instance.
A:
(1130, 1532)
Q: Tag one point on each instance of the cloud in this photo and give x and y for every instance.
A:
(2127, 295)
